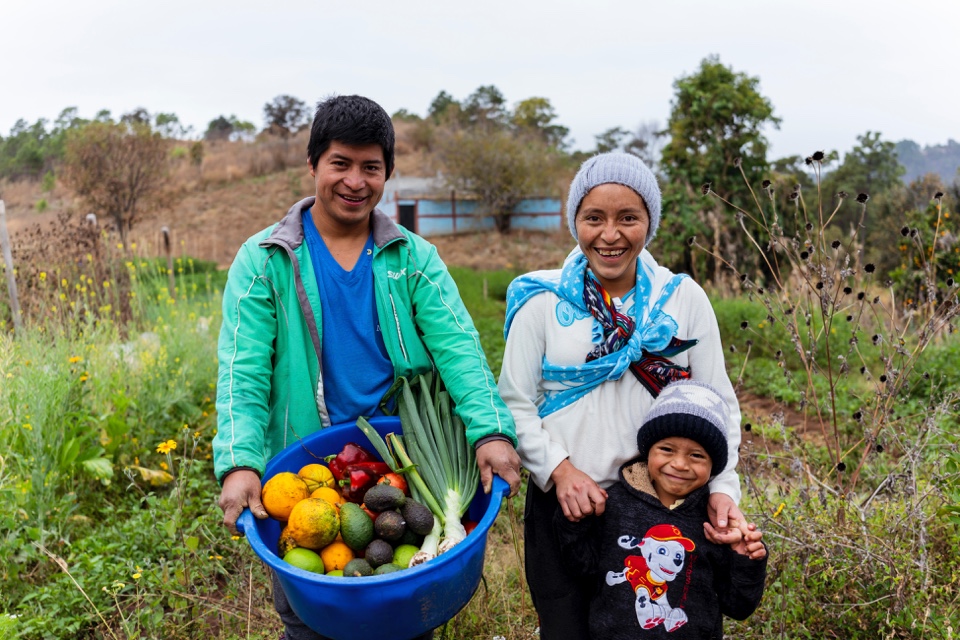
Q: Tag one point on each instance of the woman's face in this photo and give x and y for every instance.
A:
(612, 226)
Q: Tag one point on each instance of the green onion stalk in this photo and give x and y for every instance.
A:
(435, 440)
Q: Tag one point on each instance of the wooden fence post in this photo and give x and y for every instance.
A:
(8, 260)
(171, 284)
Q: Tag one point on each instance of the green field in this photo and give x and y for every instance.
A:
(105, 533)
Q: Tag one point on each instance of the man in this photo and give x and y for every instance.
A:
(322, 311)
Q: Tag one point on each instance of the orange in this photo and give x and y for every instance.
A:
(285, 544)
(314, 523)
(329, 494)
(281, 492)
(316, 476)
(335, 556)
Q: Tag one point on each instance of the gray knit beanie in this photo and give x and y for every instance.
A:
(619, 168)
(688, 409)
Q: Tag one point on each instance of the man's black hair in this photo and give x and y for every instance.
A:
(352, 120)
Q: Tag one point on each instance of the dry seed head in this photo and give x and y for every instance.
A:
(862, 198)
(818, 156)
(705, 188)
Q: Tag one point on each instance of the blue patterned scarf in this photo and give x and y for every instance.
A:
(642, 348)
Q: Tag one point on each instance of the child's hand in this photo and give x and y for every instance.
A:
(728, 535)
(751, 545)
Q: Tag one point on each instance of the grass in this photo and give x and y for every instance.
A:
(104, 533)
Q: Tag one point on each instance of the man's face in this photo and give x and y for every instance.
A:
(350, 183)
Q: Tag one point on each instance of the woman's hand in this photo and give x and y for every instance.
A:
(577, 493)
(729, 526)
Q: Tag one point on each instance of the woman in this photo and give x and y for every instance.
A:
(589, 347)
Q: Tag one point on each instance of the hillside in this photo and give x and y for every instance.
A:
(942, 159)
(241, 189)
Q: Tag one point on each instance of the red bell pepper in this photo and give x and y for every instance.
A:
(352, 453)
(359, 477)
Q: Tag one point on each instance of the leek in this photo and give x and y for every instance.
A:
(435, 438)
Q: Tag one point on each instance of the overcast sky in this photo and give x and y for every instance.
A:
(832, 69)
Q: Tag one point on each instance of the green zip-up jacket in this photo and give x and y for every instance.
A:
(270, 386)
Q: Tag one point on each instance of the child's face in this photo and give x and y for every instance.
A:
(677, 467)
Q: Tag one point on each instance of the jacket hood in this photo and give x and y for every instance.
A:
(289, 231)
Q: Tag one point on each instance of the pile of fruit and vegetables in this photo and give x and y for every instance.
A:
(359, 514)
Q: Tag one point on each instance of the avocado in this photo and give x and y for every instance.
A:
(386, 568)
(378, 552)
(356, 527)
(419, 518)
(357, 567)
(409, 537)
(383, 497)
(390, 526)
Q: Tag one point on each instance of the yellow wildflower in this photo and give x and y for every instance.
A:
(167, 447)
(163, 465)
(75, 359)
(779, 510)
(43, 275)
(137, 576)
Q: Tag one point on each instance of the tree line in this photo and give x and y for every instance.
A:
(713, 141)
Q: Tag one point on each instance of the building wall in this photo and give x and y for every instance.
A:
(438, 216)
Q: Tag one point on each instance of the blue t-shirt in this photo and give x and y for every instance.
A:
(356, 368)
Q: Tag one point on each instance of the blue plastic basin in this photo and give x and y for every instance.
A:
(395, 606)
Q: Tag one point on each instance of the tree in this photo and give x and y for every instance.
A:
(169, 126)
(871, 167)
(500, 156)
(137, 116)
(286, 115)
(441, 106)
(646, 142)
(501, 167)
(611, 139)
(232, 128)
(486, 107)
(716, 130)
(717, 116)
(118, 169)
(537, 116)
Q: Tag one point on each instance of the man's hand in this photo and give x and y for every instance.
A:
(240, 489)
(499, 457)
(577, 493)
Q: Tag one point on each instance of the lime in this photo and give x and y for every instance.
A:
(304, 559)
(403, 554)
(336, 572)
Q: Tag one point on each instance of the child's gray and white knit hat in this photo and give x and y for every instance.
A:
(688, 409)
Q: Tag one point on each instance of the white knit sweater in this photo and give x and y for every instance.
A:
(598, 432)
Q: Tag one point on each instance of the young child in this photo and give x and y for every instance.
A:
(660, 570)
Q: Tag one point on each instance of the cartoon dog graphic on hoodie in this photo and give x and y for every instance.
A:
(663, 551)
